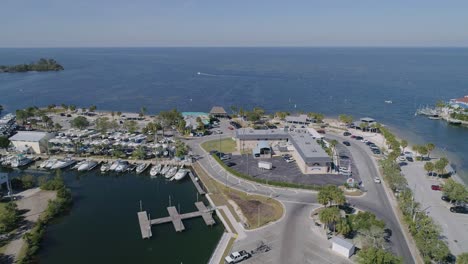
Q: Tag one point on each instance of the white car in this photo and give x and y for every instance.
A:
(289, 160)
(236, 257)
(377, 180)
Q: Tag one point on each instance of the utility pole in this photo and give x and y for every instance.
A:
(169, 201)
(141, 206)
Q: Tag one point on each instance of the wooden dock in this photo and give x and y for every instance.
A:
(196, 183)
(175, 218)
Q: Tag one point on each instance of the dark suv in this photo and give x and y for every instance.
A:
(459, 209)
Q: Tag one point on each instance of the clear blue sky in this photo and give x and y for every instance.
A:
(78, 23)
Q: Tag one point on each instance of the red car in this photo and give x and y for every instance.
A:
(231, 128)
(436, 187)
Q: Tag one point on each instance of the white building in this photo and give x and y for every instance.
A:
(342, 246)
(31, 141)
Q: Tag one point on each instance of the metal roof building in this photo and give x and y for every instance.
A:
(342, 246)
(31, 140)
(259, 134)
(218, 111)
(308, 148)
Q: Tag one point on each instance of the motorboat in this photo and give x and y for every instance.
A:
(20, 161)
(435, 117)
(8, 160)
(131, 167)
(114, 165)
(61, 164)
(105, 167)
(171, 172)
(388, 102)
(141, 167)
(165, 169)
(43, 164)
(88, 165)
(181, 173)
(78, 164)
(122, 166)
(155, 170)
(50, 163)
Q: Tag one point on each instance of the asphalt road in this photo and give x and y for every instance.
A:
(375, 200)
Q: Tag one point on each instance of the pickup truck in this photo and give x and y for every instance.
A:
(237, 257)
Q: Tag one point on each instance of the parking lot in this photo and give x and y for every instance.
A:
(283, 171)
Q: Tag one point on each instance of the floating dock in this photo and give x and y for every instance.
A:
(175, 217)
(196, 183)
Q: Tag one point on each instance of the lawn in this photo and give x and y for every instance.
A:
(259, 210)
(228, 145)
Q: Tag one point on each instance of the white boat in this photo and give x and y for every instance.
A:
(180, 174)
(155, 170)
(87, 166)
(20, 161)
(105, 167)
(122, 166)
(50, 163)
(78, 164)
(114, 165)
(61, 164)
(8, 160)
(44, 163)
(165, 169)
(171, 172)
(141, 168)
(388, 102)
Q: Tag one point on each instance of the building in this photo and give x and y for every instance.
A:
(191, 119)
(310, 157)
(218, 111)
(342, 246)
(365, 123)
(461, 102)
(31, 141)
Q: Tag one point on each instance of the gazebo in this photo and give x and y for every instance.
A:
(218, 111)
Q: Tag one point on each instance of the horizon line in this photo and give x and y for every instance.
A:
(222, 46)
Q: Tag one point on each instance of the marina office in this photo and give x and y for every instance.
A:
(311, 158)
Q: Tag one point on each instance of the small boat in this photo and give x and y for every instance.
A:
(20, 161)
(122, 166)
(105, 167)
(88, 165)
(50, 163)
(434, 117)
(165, 170)
(78, 164)
(43, 164)
(141, 167)
(181, 173)
(155, 170)
(131, 167)
(388, 102)
(62, 164)
(171, 172)
(114, 165)
(454, 122)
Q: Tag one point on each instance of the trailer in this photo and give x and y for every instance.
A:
(265, 165)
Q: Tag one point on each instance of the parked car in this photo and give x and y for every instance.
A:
(401, 158)
(368, 143)
(346, 134)
(376, 151)
(410, 159)
(358, 138)
(290, 159)
(461, 209)
(353, 136)
(237, 257)
(346, 143)
(230, 128)
(230, 164)
(436, 187)
(377, 180)
(447, 199)
(433, 174)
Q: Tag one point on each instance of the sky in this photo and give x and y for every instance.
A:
(135, 23)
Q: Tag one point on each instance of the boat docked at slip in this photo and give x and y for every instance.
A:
(20, 161)
(49, 163)
(87, 165)
(165, 169)
(105, 167)
(114, 165)
(62, 164)
(181, 173)
(78, 164)
(122, 166)
(155, 170)
(172, 171)
(141, 167)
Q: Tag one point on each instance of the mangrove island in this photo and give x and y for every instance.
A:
(41, 65)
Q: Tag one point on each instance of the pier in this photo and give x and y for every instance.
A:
(196, 183)
(175, 217)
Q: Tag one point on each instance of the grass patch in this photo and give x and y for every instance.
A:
(223, 214)
(250, 205)
(227, 145)
(228, 249)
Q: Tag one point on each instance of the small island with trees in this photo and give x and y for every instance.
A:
(41, 65)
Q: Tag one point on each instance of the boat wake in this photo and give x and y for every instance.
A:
(207, 74)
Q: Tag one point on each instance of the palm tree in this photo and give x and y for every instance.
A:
(1, 109)
(329, 215)
(404, 144)
(343, 227)
(430, 147)
(429, 167)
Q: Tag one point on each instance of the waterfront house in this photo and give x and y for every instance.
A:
(461, 102)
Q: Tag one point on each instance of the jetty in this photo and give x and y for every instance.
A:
(175, 217)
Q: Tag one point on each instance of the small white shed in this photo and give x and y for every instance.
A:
(342, 246)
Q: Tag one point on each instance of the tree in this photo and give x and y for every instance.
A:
(181, 149)
(92, 108)
(64, 106)
(422, 150)
(80, 122)
(142, 111)
(347, 119)
(374, 255)
(364, 221)
(281, 115)
(455, 191)
(28, 181)
(1, 109)
(102, 124)
(119, 113)
(462, 259)
(404, 144)
(343, 227)
(139, 153)
(57, 127)
(72, 107)
(430, 147)
(4, 142)
(372, 237)
(9, 218)
(331, 194)
(130, 125)
(429, 167)
(234, 109)
(441, 164)
(329, 215)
